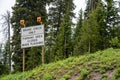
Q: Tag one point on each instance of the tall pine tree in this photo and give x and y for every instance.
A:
(57, 11)
(90, 36)
(111, 19)
(63, 46)
(77, 34)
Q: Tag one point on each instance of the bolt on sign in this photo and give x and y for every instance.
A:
(32, 36)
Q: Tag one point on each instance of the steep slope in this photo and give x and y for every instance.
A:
(102, 65)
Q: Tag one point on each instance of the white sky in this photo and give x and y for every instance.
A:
(4, 6)
(79, 4)
(7, 4)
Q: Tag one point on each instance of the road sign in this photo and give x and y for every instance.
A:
(33, 30)
(32, 36)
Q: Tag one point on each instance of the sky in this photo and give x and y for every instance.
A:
(7, 4)
(4, 6)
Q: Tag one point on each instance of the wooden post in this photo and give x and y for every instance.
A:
(23, 24)
(23, 60)
(39, 21)
(43, 54)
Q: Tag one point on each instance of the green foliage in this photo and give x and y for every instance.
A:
(84, 73)
(83, 68)
(64, 38)
(92, 28)
(111, 20)
(77, 35)
(65, 77)
(104, 77)
(47, 77)
(100, 25)
(3, 69)
(17, 76)
(63, 42)
(117, 74)
(115, 42)
(0, 51)
(90, 32)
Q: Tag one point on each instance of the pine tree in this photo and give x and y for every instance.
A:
(77, 34)
(91, 30)
(63, 46)
(91, 5)
(28, 10)
(1, 52)
(50, 41)
(100, 16)
(90, 34)
(64, 39)
(3, 69)
(54, 21)
(57, 13)
(111, 18)
(6, 54)
(6, 29)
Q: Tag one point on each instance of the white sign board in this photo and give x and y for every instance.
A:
(33, 30)
(32, 36)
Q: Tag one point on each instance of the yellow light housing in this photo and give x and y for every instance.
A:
(39, 19)
(22, 22)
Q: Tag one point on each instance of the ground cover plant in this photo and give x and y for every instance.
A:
(101, 65)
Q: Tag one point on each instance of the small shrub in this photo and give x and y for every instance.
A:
(62, 79)
(117, 73)
(47, 77)
(79, 78)
(104, 77)
(66, 77)
(3, 69)
(115, 43)
(84, 74)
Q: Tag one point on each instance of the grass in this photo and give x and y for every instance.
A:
(102, 65)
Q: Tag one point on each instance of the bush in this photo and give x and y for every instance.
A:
(3, 69)
(115, 42)
(47, 77)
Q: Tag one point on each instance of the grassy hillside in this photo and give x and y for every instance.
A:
(102, 65)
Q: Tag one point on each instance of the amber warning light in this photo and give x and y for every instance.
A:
(38, 19)
(22, 22)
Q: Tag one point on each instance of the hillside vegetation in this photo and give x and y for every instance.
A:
(102, 65)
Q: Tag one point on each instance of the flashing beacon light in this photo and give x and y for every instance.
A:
(39, 19)
(22, 22)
